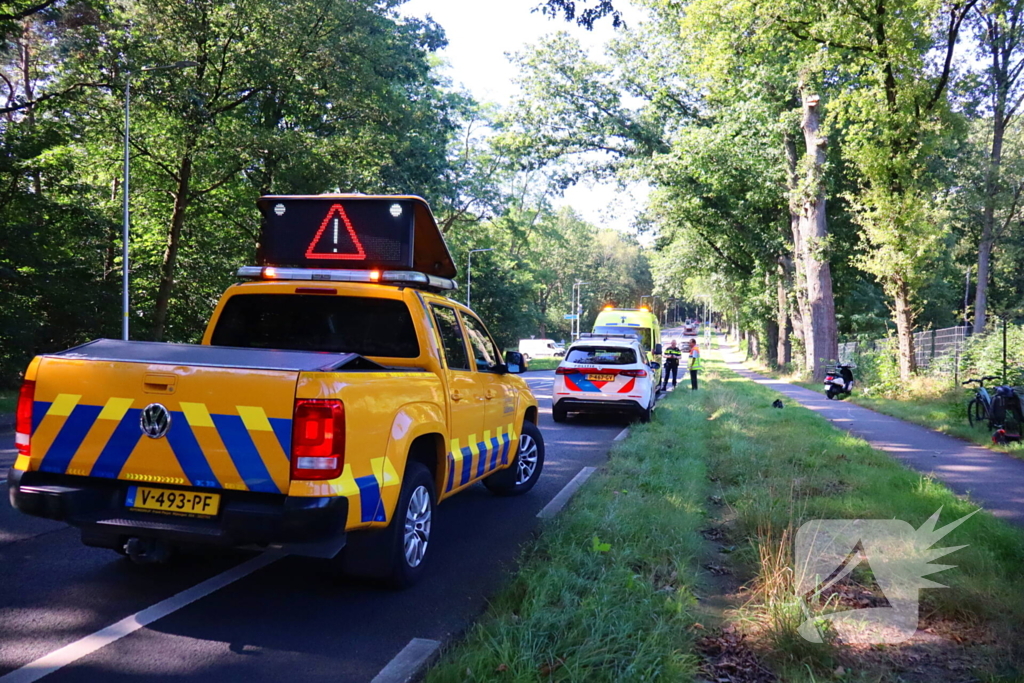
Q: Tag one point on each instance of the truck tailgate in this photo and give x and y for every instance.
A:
(230, 427)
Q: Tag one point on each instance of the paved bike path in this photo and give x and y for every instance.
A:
(993, 480)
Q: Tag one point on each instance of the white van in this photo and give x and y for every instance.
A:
(541, 348)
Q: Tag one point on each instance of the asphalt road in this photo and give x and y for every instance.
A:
(290, 620)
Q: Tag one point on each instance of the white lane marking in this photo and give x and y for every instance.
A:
(622, 435)
(559, 501)
(72, 652)
(408, 663)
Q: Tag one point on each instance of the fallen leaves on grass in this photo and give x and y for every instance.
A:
(729, 659)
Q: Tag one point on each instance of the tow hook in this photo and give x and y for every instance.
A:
(147, 550)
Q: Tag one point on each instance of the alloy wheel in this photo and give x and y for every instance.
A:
(417, 526)
(527, 459)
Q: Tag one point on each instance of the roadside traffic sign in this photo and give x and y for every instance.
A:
(571, 317)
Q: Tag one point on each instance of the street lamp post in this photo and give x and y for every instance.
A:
(577, 303)
(127, 175)
(469, 273)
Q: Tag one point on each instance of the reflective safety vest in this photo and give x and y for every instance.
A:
(695, 362)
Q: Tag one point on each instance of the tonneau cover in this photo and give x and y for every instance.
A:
(216, 356)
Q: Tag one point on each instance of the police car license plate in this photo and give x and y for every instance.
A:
(600, 378)
(179, 502)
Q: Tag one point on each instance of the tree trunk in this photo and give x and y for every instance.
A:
(820, 339)
(783, 348)
(801, 314)
(905, 330)
(167, 269)
(771, 343)
(988, 222)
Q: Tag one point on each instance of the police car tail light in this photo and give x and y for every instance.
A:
(318, 439)
(23, 417)
(633, 373)
(565, 371)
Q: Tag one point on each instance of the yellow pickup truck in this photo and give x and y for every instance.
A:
(336, 398)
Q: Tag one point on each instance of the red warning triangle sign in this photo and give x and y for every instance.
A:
(336, 238)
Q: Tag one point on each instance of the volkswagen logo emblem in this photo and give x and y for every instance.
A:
(155, 420)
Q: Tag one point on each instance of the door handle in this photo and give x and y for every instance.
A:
(456, 395)
(489, 395)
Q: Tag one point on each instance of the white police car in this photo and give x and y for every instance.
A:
(605, 374)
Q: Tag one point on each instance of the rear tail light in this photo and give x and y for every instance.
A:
(829, 378)
(581, 371)
(318, 439)
(23, 417)
(633, 373)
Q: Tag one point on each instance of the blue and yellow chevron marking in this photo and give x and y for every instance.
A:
(371, 509)
(469, 463)
(473, 449)
(98, 441)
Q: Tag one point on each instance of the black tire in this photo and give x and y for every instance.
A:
(523, 473)
(646, 414)
(830, 394)
(396, 555)
(977, 414)
(970, 412)
(559, 414)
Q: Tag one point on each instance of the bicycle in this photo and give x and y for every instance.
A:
(979, 408)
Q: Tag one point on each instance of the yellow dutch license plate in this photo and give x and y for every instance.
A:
(600, 378)
(191, 503)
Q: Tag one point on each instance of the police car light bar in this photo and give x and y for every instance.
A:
(396, 277)
(598, 335)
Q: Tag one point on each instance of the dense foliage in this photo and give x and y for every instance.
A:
(817, 171)
(262, 97)
(860, 155)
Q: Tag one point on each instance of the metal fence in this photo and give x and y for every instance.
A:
(929, 345)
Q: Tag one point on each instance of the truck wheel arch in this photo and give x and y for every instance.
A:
(429, 450)
(417, 434)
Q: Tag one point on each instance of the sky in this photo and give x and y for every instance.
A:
(481, 35)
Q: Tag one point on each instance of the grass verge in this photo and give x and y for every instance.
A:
(608, 592)
(543, 363)
(8, 401)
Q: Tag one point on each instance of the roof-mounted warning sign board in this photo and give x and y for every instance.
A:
(352, 232)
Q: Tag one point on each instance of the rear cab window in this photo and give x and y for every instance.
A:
(368, 326)
(602, 355)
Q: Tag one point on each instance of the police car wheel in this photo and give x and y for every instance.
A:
(645, 415)
(523, 473)
(559, 414)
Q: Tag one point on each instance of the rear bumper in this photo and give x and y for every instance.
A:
(96, 506)
(576, 405)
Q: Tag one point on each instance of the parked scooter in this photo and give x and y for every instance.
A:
(839, 381)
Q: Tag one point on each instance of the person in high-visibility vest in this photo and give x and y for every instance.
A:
(673, 354)
(695, 364)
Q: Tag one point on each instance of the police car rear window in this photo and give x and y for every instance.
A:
(643, 332)
(303, 322)
(602, 355)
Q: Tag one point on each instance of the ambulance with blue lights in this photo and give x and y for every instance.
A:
(337, 396)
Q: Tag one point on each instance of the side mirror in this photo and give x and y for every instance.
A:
(514, 363)
(655, 366)
(657, 350)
